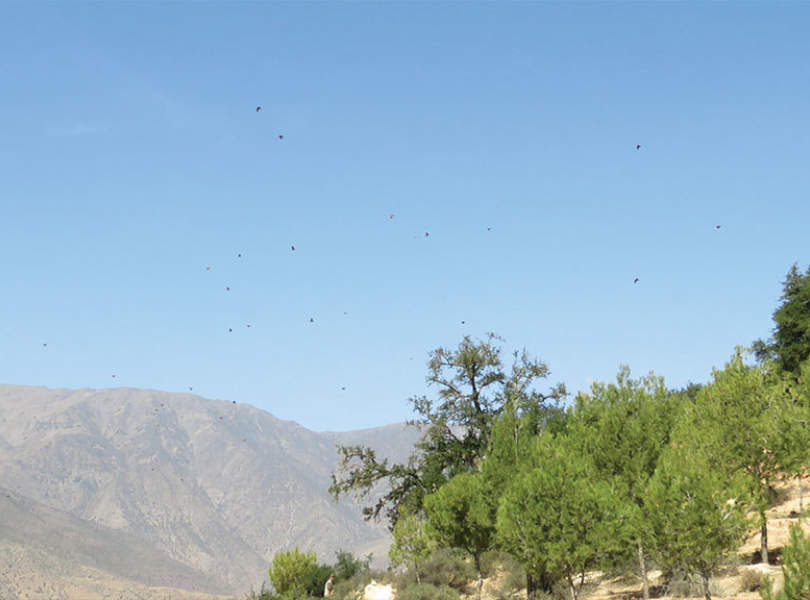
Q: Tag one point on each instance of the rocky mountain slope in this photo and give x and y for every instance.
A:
(216, 486)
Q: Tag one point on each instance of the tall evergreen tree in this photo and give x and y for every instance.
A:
(696, 512)
(557, 516)
(790, 344)
(460, 517)
(751, 421)
(623, 428)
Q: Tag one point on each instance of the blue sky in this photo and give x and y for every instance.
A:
(132, 157)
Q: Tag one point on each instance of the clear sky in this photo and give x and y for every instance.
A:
(132, 157)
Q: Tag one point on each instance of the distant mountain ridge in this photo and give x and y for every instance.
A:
(216, 486)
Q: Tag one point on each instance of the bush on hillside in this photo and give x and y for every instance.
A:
(352, 587)
(750, 580)
(426, 591)
(447, 568)
(795, 569)
(347, 566)
(263, 594)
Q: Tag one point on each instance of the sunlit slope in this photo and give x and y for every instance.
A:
(215, 485)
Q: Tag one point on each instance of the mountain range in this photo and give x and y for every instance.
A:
(141, 493)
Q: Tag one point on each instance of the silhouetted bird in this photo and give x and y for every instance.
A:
(635, 280)
(190, 388)
(234, 401)
(391, 216)
(292, 248)
(45, 345)
(464, 322)
(426, 234)
(248, 325)
(343, 388)
(227, 289)
(281, 137)
(311, 320)
(207, 268)
(230, 330)
(258, 108)
(717, 226)
(238, 256)
(638, 146)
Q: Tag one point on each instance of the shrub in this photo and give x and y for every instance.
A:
(292, 572)
(512, 583)
(447, 568)
(315, 579)
(353, 587)
(796, 573)
(347, 566)
(263, 594)
(750, 580)
(428, 592)
(494, 559)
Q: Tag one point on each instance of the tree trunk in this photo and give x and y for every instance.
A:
(572, 588)
(531, 586)
(764, 545)
(480, 576)
(706, 593)
(642, 563)
(537, 583)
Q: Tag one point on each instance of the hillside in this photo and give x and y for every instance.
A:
(216, 486)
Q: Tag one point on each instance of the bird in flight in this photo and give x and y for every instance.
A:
(343, 388)
(230, 330)
(190, 388)
(248, 325)
(717, 226)
(391, 216)
(292, 248)
(311, 320)
(113, 376)
(227, 289)
(635, 280)
(464, 322)
(281, 137)
(207, 268)
(239, 255)
(258, 109)
(638, 146)
(44, 344)
(427, 234)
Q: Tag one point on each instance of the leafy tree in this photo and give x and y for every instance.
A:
(472, 386)
(697, 515)
(790, 345)
(795, 569)
(557, 517)
(412, 543)
(751, 422)
(623, 428)
(460, 517)
(510, 450)
(314, 580)
(291, 572)
(347, 565)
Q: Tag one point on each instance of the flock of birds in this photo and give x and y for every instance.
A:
(391, 217)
